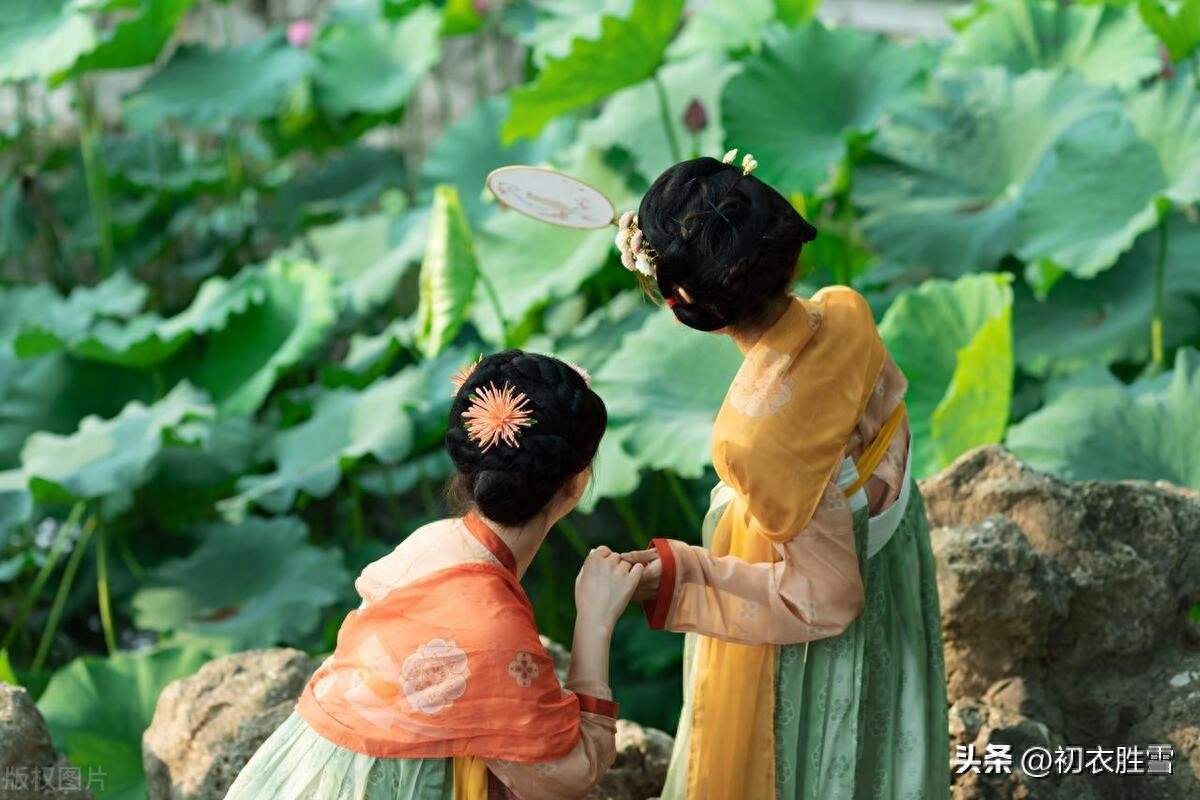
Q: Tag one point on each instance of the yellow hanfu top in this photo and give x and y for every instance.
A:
(778, 440)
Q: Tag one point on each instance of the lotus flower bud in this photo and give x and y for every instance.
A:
(300, 33)
(695, 119)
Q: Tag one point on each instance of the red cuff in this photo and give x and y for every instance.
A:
(594, 705)
(656, 610)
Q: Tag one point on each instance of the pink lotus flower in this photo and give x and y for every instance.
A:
(300, 33)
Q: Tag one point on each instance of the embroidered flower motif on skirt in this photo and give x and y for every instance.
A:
(523, 670)
(435, 676)
(762, 385)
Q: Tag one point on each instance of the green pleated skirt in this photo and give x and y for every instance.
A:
(297, 763)
(862, 715)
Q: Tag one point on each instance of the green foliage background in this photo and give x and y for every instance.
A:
(228, 318)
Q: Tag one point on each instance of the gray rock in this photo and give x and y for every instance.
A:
(30, 769)
(640, 770)
(1065, 619)
(206, 727)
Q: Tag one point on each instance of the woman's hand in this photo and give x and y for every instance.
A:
(605, 585)
(651, 577)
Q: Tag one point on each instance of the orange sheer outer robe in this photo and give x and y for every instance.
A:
(443, 660)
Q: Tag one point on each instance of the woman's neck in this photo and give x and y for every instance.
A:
(522, 540)
(746, 336)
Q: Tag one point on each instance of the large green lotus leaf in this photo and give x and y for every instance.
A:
(953, 341)
(372, 67)
(471, 148)
(590, 345)
(594, 341)
(1107, 319)
(41, 39)
(723, 26)
(616, 472)
(628, 50)
(138, 39)
(55, 392)
(958, 164)
(1103, 43)
(552, 26)
(208, 89)
(1093, 427)
(1176, 23)
(98, 708)
(143, 342)
(1125, 169)
(16, 503)
(632, 121)
(243, 360)
(1167, 115)
(108, 457)
(257, 584)
(795, 103)
(20, 306)
(460, 18)
(1098, 194)
(345, 427)
(158, 163)
(370, 255)
(448, 274)
(529, 262)
(347, 182)
(663, 388)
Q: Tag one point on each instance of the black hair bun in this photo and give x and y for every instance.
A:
(510, 485)
(729, 239)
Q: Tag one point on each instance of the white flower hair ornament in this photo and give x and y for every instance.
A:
(636, 253)
(749, 164)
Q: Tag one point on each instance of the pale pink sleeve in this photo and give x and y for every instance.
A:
(813, 591)
(573, 775)
(884, 485)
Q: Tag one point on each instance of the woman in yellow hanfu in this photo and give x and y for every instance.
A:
(813, 662)
(439, 687)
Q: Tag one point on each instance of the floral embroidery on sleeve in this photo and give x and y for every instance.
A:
(435, 676)
(762, 385)
(523, 670)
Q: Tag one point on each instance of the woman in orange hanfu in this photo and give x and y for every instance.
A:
(814, 657)
(439, 687)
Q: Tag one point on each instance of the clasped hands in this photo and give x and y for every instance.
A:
(609, 581)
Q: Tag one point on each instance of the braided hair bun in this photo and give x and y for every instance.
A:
(729, 240)
(510, 485)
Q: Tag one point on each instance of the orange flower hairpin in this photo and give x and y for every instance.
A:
(496, 416)
(464, 375)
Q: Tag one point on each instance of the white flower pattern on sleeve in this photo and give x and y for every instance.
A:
(524, 670)
(435, 676)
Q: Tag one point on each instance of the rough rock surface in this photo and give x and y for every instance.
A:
(641, 766)
(206, 727)
(28, 761)
(1065, 617)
